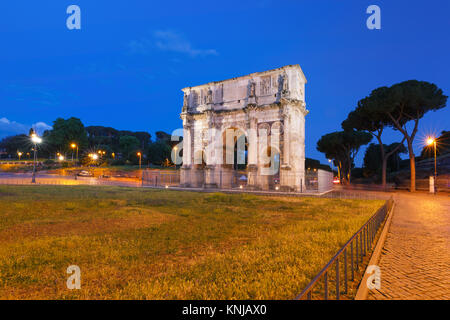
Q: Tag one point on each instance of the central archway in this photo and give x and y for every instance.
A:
(234, 157)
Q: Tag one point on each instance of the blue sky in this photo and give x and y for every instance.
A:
(127, 64)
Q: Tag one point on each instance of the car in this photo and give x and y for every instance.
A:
(85, 173)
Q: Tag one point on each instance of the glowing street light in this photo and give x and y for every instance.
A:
(95, 157)
(432, 141)
(61, 158)
(36, 140)
(19, 154)
(73, 146)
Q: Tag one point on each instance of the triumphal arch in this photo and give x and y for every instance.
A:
(253, 125)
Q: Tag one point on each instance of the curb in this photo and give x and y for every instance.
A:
(363, 291)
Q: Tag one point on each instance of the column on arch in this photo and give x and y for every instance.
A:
(252, 167)
(211, 157)
(287, 176)
(185, 173)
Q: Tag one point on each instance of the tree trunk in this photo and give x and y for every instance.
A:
(339, 174)
(350, 172)
(412, 164)
(384, 163)
(383, 171)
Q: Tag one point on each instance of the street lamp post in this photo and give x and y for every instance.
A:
(432, 141)
(140, 159)
(73, 146)
(19, 154)
(332, 166)
(35, 139)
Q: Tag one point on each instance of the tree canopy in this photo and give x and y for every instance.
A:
(410, 101)
(13, 144)
(370, 116)
(64, 133)
(342, 147)
(395, 107)
(128, 144)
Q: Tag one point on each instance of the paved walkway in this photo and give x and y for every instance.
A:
(415, 261)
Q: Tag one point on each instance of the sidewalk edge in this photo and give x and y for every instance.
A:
(363, 291)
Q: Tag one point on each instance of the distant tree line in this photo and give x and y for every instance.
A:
(114, 146)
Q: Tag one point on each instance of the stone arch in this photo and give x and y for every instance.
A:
(200, 159)
(274, 155)
(234, 147)
(277, 128)
(263, 129)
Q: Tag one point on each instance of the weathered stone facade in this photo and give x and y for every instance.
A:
(268, 109)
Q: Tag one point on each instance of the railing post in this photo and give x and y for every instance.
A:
(345, 272)
(371, 233)
(326, 285)
(367, 237)
(351, 261)
(357, 253)
(360, 248)
(309, 296)
(338, 294)
(364, 240)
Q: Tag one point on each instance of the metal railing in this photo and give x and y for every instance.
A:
(356, 195)
(344, 266)
(157, 178)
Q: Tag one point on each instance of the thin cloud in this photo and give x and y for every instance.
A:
(8, 127)
(35, 95)
(40, 127)
(167, 40)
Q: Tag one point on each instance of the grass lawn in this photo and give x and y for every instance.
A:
(158, 244)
